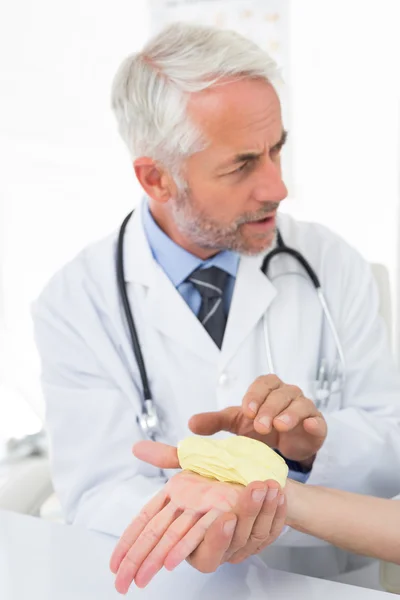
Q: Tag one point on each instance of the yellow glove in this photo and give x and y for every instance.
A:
(236, 459)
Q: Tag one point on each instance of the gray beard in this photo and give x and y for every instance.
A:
(211, 235)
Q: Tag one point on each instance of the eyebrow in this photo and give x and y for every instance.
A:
(248, 156)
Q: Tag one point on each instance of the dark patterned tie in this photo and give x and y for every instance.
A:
(210, 283)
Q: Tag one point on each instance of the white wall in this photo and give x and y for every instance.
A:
(345, 63)
(65, 176)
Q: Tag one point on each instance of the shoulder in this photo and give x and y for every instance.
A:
(320, 245)
(306, 234)
(343, 273)
(86, 277)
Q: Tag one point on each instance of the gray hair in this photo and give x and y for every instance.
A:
(151, 88)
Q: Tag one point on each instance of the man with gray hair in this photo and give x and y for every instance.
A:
(218, 333)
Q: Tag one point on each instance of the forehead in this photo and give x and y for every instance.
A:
(238, 115)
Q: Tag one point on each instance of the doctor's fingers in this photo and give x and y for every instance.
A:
(157, 454)
(259, 390)
(255, 510)
(211, 422)
(143, 545)
(316, 426)
(267, 528)
(136, 527)
(301, 410)
(276, 405)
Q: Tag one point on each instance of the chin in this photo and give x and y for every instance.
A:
(254, 248)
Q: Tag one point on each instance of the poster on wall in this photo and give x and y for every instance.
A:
(266, 22)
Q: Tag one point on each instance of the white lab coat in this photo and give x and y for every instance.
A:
(92, 387)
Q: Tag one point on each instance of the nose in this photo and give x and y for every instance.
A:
(269, 185)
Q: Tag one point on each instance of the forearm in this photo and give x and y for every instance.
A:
(360, 524)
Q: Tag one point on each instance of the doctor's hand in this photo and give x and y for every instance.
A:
(195, 518)
(274, 413)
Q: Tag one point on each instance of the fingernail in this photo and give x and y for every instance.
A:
(281, 500)
(266, 421)
(258, 495)
(253, 407)
(272, 494)
(284, 418)
(229, 527)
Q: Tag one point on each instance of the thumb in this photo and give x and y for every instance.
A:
(157, 454)
(212, 422)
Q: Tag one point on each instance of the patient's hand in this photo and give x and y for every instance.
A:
(199, 519)
(170, 527)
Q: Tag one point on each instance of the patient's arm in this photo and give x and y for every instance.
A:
(360, 524)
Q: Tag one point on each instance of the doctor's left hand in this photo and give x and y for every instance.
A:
(274, 413)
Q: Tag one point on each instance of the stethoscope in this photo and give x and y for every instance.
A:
(328, 381)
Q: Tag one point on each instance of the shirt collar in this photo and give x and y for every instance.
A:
(177, 262)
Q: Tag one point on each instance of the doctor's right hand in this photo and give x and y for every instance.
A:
(274, 413)
(198, 519)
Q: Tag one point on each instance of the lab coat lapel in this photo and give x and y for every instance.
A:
(167, 310)
(170, 314)
(252, 296)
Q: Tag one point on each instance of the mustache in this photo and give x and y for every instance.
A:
(263, 213)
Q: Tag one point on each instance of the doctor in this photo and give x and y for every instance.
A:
(201, 118)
